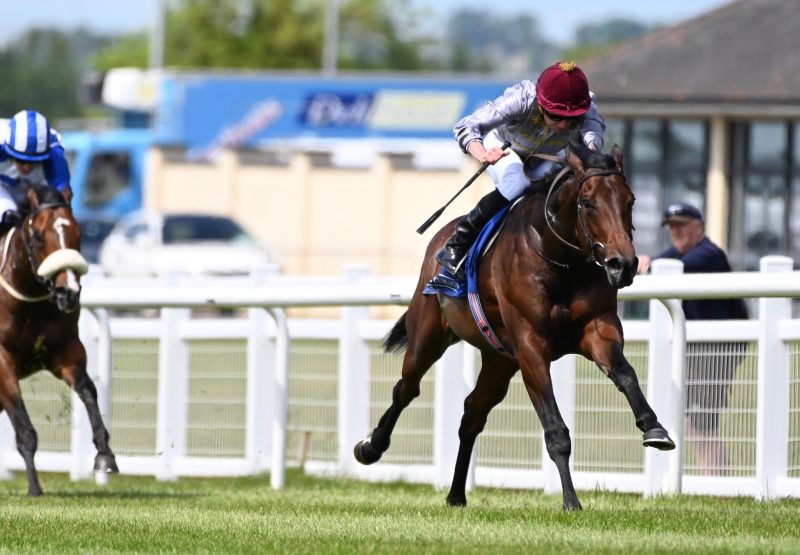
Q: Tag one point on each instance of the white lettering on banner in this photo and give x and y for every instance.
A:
(416, 110)
(256, 120)
(332, 110)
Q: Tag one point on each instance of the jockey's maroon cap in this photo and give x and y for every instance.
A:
(563, 90)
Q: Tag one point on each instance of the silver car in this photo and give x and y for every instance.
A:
(146, 243)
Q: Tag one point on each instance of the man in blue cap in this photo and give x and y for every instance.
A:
(710, 366)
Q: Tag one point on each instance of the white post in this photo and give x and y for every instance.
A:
(448, 408)
(260, 376)
(354, 377)
(7, 443)
(280, 410)
(562, 375)
(81, 429)
(772, 423)
(173, 384)
(663, 391)
(102, 379)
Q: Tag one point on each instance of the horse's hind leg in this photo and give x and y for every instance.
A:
(427, 341)
(70, 366)
(27, 440)
(536, 375)
(491, 388)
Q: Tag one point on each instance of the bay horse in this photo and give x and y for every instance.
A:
(548, 286)
(39, 309)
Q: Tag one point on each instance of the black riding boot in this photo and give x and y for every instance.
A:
(11, 218)
(467, 231)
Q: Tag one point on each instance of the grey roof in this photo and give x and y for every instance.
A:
(747, 51)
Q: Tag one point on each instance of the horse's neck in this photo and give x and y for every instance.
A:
(16, 267)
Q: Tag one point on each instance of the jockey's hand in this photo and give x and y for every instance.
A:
(494, 154)
(482, 155)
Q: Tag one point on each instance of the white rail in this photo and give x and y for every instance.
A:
(273, 294)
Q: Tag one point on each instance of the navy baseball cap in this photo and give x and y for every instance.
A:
(681, 212)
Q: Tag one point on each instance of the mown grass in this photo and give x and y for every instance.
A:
(141, 515)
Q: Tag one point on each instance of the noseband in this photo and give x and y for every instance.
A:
(597, 249)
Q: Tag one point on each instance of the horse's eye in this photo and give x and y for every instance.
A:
(587, 203)
(38, 238)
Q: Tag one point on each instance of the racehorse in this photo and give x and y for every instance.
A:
(548, 286)
(39, 308)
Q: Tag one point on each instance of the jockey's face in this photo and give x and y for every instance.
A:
(557, 124)
(24, 167)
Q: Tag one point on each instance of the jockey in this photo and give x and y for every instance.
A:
(31, 152)
(535, 118)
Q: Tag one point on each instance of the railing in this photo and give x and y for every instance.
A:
(213, 395)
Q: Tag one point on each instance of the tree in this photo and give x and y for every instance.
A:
(274, 34)
(39, 72)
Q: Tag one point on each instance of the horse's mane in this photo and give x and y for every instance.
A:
(590, 158)
(45, 193)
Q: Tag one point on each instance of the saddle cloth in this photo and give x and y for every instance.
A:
(447, 284)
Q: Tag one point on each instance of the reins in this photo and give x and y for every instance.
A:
(6, 285)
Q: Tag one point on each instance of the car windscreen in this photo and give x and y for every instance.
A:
(191, 229)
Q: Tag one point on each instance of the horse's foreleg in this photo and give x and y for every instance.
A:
(427, 341)
(491, 388)
(27, 440)
(607, 354)
(73, 372)
(536, 375)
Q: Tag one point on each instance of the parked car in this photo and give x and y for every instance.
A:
(146, 243)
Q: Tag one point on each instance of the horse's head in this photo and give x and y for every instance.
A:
(52, 241)
(604, 205)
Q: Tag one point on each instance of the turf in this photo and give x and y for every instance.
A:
(142, 515)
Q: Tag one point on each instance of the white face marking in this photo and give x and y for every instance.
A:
(72, 282)
(59, 226)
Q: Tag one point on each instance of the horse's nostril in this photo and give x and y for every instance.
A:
(614, 264)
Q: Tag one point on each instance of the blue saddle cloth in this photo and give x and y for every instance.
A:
(447, 283)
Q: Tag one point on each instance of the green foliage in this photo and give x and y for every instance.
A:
(244, 515)
(38, 72)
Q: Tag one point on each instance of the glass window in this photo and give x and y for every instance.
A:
(614, 134)
(186, 229)
(109, 173)
(686, 143)
(646, 147)
(767, 144)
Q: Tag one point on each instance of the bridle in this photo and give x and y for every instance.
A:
(597, 250)
(45, 270)
(28, 238)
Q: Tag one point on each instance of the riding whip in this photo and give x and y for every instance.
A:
(438, 213)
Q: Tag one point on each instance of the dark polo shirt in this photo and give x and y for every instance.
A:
(706, 257)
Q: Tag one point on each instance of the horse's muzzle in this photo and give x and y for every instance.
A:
(620, 271)
(67, 299)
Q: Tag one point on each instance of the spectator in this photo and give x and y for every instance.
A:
(710, 366)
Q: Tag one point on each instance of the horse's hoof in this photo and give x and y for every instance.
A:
(658, 438)
(106, 464)
(365, 453)
(35, 491)
(573, 507)
(457, 500)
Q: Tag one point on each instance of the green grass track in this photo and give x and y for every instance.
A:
(141, 515)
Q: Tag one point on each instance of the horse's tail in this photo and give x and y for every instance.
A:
(397, 339)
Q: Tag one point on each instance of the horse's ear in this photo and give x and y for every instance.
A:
(33, 199)
(574, 162)
(616, 153)
(67, 194)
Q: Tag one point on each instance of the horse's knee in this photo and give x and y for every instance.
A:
(558, 443)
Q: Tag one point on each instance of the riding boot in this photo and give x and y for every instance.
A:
(467, 230)
(11, 218)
